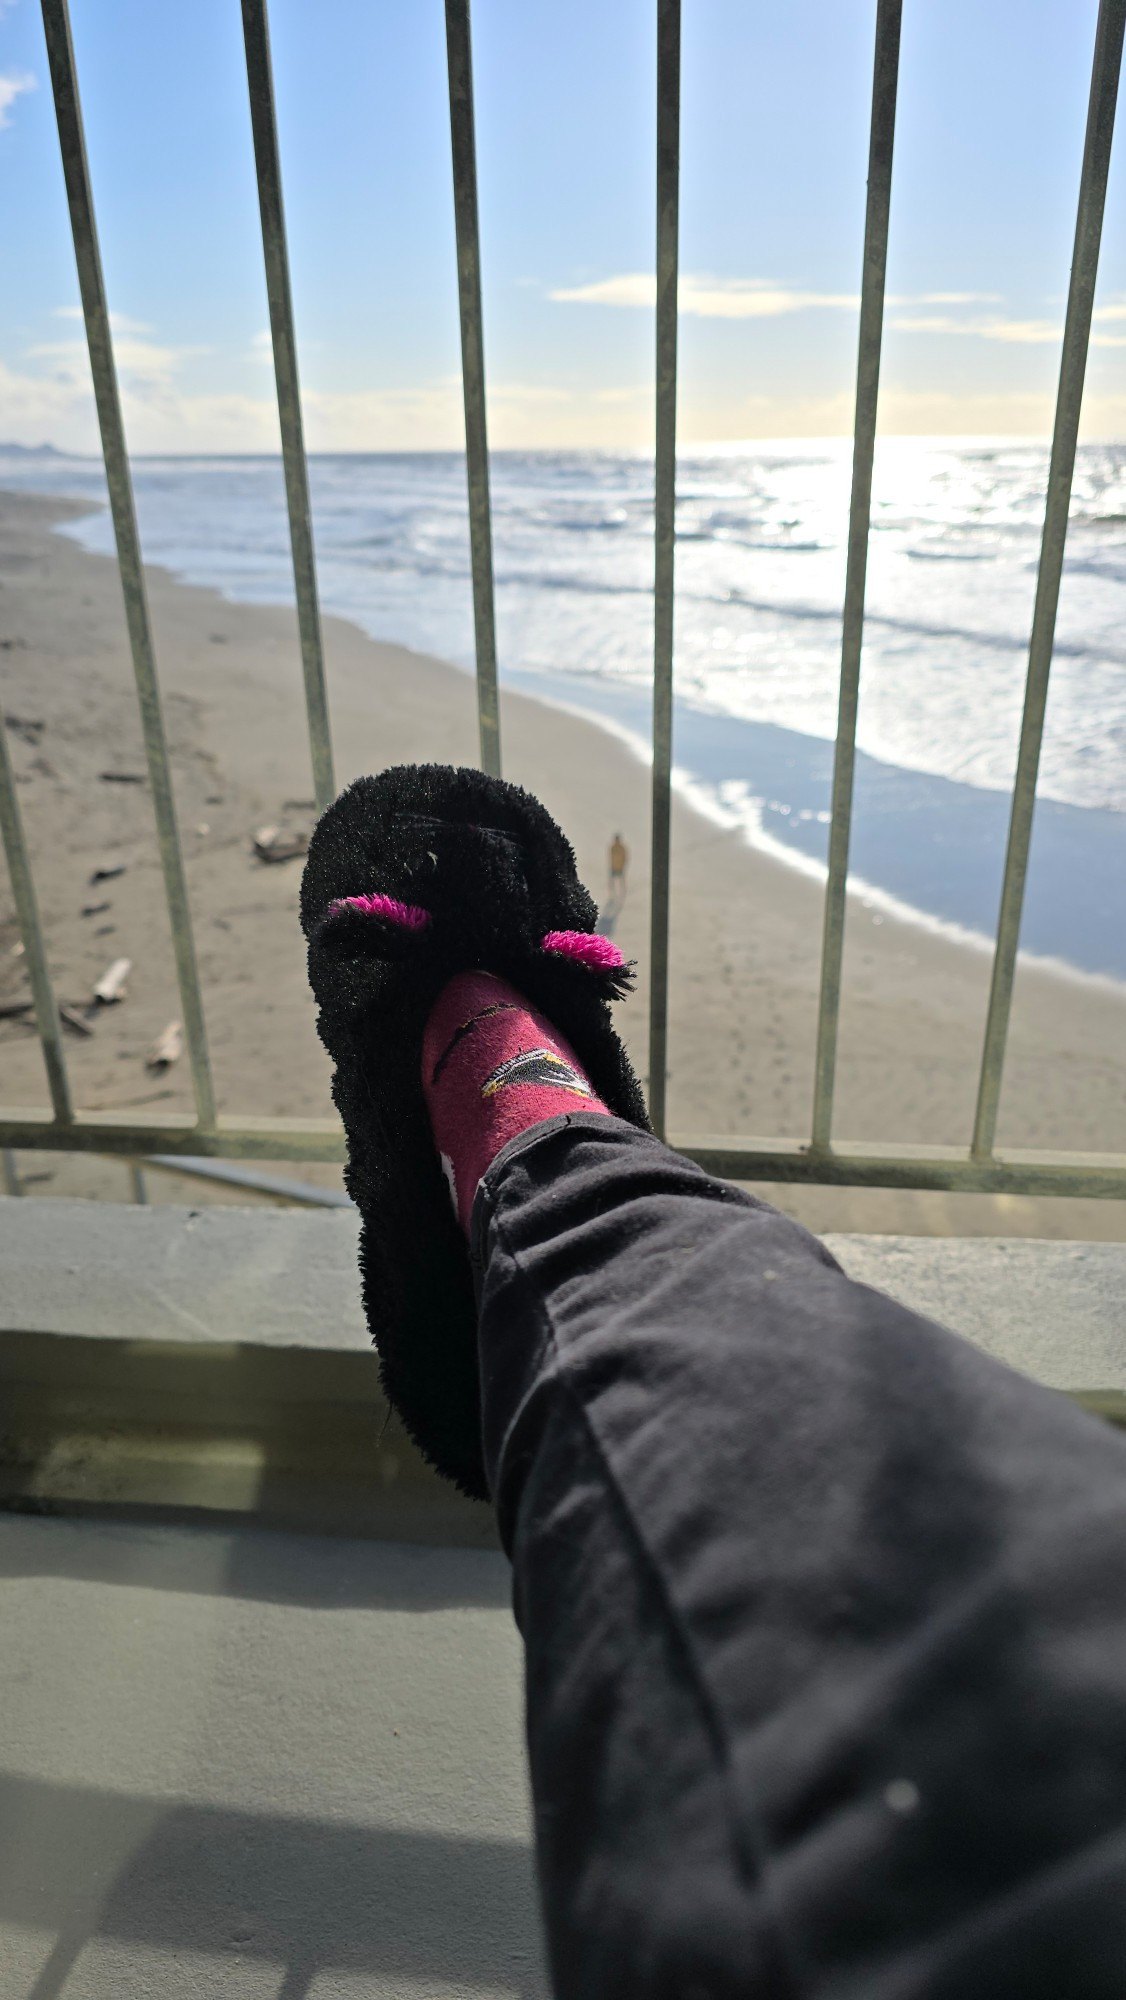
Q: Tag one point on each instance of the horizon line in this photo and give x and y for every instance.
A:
(959, 440)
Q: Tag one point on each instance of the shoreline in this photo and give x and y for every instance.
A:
(866, 894)
(746, 926)
(903, 816)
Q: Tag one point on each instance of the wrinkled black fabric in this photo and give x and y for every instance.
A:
(824, 1610)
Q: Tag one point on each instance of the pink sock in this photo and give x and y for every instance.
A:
(492, 1065)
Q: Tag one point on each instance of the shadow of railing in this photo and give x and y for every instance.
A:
(390, 1904)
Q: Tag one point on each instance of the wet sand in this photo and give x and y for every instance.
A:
(746, 928)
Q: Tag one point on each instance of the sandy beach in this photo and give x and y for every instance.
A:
(746, 928)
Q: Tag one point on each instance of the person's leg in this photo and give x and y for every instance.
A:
(824, 1611)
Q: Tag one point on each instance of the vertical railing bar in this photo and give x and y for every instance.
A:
(877, 213)
(31, 930)
(263, 119)
(664, 543)
(1105, 72)
(459, 55)
(68, 112)
(12, 1183)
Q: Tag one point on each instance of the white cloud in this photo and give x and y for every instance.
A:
(49, 399)
(944, 299)
(1115, 311)
(119, 322)
(13, 83)
(54, 403)
(35, 409)
(928, 323)
(142, 363)
(903, 413)
(638, 288)
(1024, 331)
(742, 298)
(918, 413)
(1021, 332)
(1017, 332)
(706, 298)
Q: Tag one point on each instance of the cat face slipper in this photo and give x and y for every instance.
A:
(412, 878)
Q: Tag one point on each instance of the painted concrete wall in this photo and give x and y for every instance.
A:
(243, 1765)
(248, 1766)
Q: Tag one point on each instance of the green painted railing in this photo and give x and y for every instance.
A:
(979, 1166)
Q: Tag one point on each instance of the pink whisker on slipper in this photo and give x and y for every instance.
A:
(408, 915)
(587, 948)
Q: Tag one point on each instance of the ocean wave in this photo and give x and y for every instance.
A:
(925, 851)
(949, 555)
(760, 580)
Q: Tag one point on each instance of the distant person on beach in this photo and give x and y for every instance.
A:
(824, 1609)
(619, 862)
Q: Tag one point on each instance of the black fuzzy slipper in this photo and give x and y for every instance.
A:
(416, 875)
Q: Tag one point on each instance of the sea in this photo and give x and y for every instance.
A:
(760, 566)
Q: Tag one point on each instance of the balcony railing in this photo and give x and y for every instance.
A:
(820, 1158)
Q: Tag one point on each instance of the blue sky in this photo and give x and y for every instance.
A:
(774, 141)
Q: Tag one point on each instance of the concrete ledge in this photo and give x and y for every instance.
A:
(218, 1359)
(1056, 1311)
(240, 1764)
(213, 1360)
(273, 1277)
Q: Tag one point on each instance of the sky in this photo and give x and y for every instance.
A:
(775, 106)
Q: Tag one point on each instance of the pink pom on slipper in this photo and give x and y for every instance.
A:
(408, 915)
(588, 948)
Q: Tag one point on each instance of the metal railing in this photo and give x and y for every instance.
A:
(977, 1167)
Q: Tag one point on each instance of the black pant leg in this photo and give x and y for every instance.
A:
(824, 1610)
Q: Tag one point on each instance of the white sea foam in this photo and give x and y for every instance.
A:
(760, 576)
(732, 806)
(760, 573)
